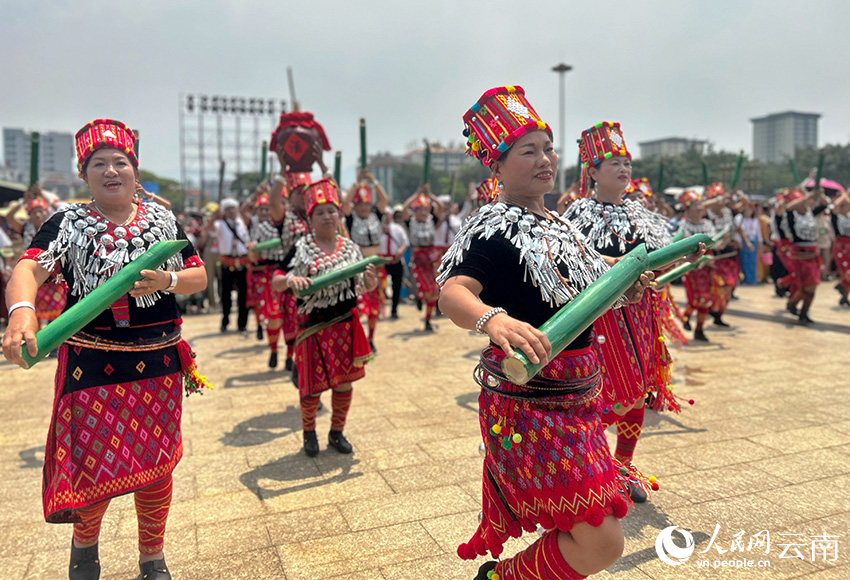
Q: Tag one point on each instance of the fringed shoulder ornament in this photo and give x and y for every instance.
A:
(294, 228)
(843, 223)
(805, 226)
(690, 229)
(264, 231)
(421, 233)
(543, 245)
(93, 249)
(606, 224)
(310, 260)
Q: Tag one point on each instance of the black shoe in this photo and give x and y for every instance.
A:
(844, 302)
(804, 319)
(719, 322)
(637, 494)
(273, 360)
(428, 327)
(686, 324)
(295, 376)
(780, 291)
(242, 329)
(288, 365)
(484, 569)
(85, 563)
(394, 315)
(338, 441)
(373, 347)
(792, 308)
(154, 570)
(700, 335)
(418, 304)
(259, 333)
(223, 327)
(311, 443)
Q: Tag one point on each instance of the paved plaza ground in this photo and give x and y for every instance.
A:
(765, 447)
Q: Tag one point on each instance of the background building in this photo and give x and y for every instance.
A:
(56, 155)
(777, 137)
(670, 147)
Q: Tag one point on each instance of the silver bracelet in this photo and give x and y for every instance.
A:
(21, 304)
(479, 326)
(173, 284)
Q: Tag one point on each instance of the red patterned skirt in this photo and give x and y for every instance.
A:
(115, 426)
(698, 289)
(424, 266)
(330, 354)
(561, 473)
(371, 304)
(634, 357)
(729, 270)
(266, 301)
(50, 301)
(841, 257)
(670, 316)
(807, 265)
(783, 252)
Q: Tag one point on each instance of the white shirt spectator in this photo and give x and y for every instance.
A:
(395, 241)
(228, 244)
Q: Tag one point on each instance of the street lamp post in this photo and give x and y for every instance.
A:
(561, 69)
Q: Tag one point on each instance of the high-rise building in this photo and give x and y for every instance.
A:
(55, 153)
(670, 147)
(777, 137)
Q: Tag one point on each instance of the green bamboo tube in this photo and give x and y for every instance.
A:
(677, 236)
(34, 138)
(136, 144)
(345, 273)
(578, 314)
(426, 169)
(820, 170)
(268, 245)
(660, 189)
(263, 160)
(718, 237)
(362, 144)
(101, 298)
(578, 169)
(704, 174)
(794, 171)
(676, 250)
(337, 166)
(737, 173)
(679, 271)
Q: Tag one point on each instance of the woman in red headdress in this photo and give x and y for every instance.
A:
(699, 283)
(265, 301)
(422, 228)
(806, 263)
(331, 348)
(50, 300)
(511, 267)
(364, 221)
(635, 361)
(841, 245)
(115, 427)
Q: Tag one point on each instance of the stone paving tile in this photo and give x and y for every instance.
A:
(754, 452)
(406, 507)
(357, 552)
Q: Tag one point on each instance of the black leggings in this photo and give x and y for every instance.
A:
(229, 278)
(396, 274)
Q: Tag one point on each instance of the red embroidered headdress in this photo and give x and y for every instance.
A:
(104, 133)
(500, 117)
(322, 191)
(36, 203)
(688, 197)
(487, 190)
(363, 194)
(714, 190)
(598, 143)
(421, 200)
(294, 180)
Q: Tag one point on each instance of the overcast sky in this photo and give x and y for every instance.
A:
(699, 69)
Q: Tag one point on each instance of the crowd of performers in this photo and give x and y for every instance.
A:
(501, 265)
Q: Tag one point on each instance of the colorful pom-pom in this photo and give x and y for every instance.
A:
(497, 428)
(652, 479)
(691, 401)
(655, 487)
(517, 438)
